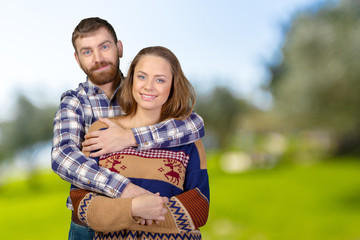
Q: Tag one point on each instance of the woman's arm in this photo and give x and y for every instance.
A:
(106, 214)
(190, 209)
(186, 212)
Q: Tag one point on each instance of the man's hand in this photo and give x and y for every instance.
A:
(112, 139)
(131, 190)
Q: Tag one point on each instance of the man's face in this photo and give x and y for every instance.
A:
(98, 56)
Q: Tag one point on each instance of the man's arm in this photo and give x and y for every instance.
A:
(72, 165)
(169, 133)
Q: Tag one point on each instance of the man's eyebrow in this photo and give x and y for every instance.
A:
(88, 48)
(102, 43)
(84, 48)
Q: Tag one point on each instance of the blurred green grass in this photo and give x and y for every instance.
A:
(321, 201)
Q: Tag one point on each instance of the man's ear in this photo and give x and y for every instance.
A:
(77, 58)
(120, 48)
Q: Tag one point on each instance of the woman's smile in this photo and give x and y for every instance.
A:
(147, 97)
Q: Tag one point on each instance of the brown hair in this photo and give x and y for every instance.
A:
(182, 96)
(89, 25)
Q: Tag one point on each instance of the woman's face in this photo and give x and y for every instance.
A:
(152, 83)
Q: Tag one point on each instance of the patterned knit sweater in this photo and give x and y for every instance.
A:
(179, 173)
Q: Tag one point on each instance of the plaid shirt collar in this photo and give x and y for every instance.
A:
(91, 89)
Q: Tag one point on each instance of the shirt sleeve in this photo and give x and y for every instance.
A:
(69, 162)
(170, 133)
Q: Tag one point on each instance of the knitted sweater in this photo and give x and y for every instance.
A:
(178, 173)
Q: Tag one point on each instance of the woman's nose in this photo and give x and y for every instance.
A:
(148, 84)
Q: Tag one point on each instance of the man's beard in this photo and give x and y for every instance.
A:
(103, 77)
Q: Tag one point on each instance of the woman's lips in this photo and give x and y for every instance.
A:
(147, 97)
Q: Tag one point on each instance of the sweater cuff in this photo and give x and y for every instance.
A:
(82, 208)
(107, 215)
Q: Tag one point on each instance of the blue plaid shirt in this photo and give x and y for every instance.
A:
(77, 111)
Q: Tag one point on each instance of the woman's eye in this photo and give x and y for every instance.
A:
(160, 80)
(141, 77)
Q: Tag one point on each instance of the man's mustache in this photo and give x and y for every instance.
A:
(99, 65)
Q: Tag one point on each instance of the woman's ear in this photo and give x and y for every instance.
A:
(120, 48)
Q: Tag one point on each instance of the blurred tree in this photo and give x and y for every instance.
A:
(30, 126)
(220, 111)
(317, 84)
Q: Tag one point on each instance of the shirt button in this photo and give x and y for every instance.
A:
(169, 138)
(146, 143)
(88, 182)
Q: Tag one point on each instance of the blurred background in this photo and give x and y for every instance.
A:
(277, 84)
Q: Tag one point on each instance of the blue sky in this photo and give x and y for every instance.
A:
(217, 42)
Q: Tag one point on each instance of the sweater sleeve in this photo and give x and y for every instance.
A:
(104, 214)
(190, 209)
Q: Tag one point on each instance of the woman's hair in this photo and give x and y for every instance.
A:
(89, 25)
(181, 100)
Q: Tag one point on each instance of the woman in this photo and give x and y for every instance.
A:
(155, 89)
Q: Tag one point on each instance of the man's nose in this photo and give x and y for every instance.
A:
(98, 57)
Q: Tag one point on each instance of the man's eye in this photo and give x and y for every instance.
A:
(87, 52)
(104, 47)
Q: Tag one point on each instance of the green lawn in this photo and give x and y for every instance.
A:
(321, 201)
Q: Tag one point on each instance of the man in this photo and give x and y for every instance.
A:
(98, 52)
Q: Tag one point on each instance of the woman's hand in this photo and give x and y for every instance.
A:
(150, 207)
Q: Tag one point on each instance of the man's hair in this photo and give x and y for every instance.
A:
(88, 26)
(181, 100)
